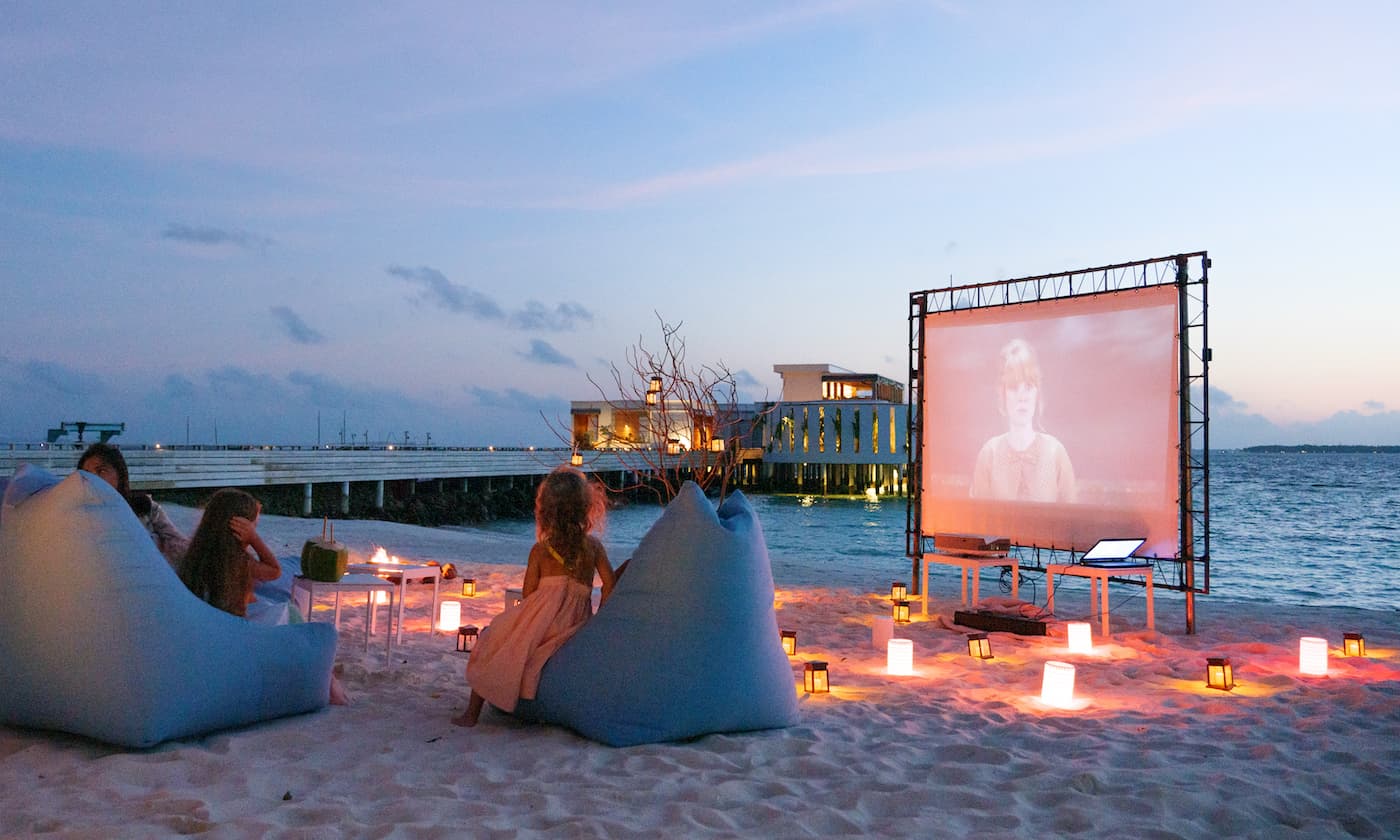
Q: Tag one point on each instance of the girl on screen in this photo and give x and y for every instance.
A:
(1023, 464)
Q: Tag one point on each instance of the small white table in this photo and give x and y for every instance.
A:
(368, 584)
(1098, 586)
(973, 563)
(399, 574)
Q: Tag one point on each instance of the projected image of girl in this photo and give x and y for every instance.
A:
(1023, 464)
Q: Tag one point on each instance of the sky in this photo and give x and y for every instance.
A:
(264, 222)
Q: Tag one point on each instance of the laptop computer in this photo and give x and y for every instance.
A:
(1115, 553)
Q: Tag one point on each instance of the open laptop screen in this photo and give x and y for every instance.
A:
(1117, 549)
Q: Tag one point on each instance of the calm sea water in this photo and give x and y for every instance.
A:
(1313, 529)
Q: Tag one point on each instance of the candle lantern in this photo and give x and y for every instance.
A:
(814, 678)
(899, 657)
(900, 613)
(654, 386)
(789, 638)
(468, 587)
(652, 397)
(1353, 644)
(716, 444)
(979, 645)
(449, 615)
(576, 460)
(1057, 684)
(899, 591)
(1079, 638)
(1219, 674)
(466, 638)
(673, 447)
(1312, 656)
(881, 631)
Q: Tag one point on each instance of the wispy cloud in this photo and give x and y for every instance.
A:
(542, 352)
(1373, 405)
(513, 399)
(295, 328)
(562, 318)
(214, 237)
(454, 297)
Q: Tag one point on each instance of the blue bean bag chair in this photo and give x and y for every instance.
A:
(686, 645)
(99, 637)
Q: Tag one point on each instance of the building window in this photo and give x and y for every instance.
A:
(821, 428)
(855, 429)
(805, 430)
(892, 430)
(836, 430)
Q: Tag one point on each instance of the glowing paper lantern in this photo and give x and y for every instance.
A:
(466, 638)
(881, 631)
(979, 645)
(1312, 656)
(449, 615)
(1219, 674)
(468, 587)
(1353, 644)
(789, 638)
(899, 591)
(1079, 639)
(899, 657)
(1057, 684)
(900, 613)
(814, 678)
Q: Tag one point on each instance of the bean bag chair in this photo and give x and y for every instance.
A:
(687, 643)
(99, 637)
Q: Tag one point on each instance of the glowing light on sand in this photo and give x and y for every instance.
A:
(1312, 656)
(1079, 638)
(449, 615)
(1057, 685)
(1219, 674)
(789, 638)
(815, 679)
(468, 587)
(979, 645)
(900, 612)
(899, 657)
(1353, 644)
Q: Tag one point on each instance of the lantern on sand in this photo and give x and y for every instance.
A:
(815, 678)
(466, 638)
(789, 638)
(1219, 674)
(979, 645)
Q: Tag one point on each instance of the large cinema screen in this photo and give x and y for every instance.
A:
(1054, 423)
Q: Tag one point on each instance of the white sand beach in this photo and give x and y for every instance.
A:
(962, 748)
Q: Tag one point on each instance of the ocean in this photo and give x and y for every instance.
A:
(1315, 529)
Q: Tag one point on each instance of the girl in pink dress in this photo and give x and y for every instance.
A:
(505, 665)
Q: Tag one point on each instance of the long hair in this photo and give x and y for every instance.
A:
(111, 456)
(215, 567)
(567, 508)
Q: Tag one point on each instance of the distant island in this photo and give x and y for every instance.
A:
(1332, 447)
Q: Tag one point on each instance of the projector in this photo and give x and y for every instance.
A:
(970, 544)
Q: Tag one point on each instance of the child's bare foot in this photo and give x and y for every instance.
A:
(338, 695)
(473, 712)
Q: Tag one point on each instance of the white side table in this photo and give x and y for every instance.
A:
(1098, 587)
(368, 584)
(974, 564)
(399, 574)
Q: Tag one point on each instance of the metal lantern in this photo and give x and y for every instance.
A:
(468, 587)
(576, 460)
(900, 613)
(979, 645)
(815, 679)
(654, 387)
(899, 590)
(1353, 644)
(789, 638)
(1219, 674)
(673, 447)
(717, 444)
(652, 397)
(466, 638)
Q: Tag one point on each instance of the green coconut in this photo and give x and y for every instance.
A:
(325, 559)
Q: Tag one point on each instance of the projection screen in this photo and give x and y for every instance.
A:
(1054, 423)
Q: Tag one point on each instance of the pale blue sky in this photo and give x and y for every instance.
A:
(440, 217)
